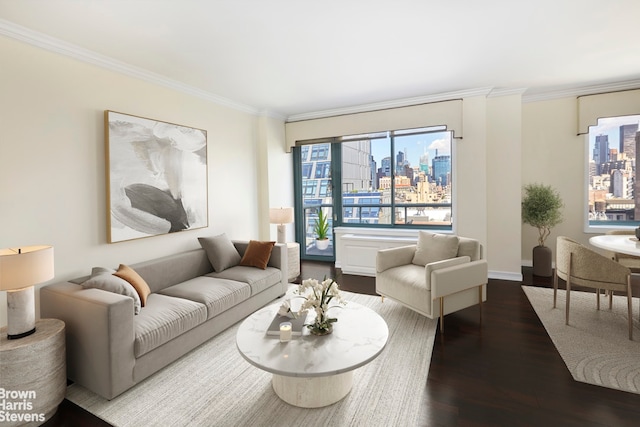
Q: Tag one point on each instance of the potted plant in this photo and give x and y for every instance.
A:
(541, 208)
(321, 229)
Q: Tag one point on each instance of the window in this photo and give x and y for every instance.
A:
(387, 179)
(613, 190)
(405, 176)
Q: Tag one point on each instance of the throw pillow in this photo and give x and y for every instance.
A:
(127, 273)
(220, 251)
(103, 278)
(435, 247)
(257, 254)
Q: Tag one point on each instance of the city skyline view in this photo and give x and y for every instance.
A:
(414, 146)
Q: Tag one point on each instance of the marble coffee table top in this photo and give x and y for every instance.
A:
(358, 336)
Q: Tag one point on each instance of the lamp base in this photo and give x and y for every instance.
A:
(22, 335)
(21, 315)
(282, 234)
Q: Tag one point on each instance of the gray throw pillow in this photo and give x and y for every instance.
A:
(220, 251)
(435, 247)
(103, 278)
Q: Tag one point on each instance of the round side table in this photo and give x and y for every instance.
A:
(33, 374)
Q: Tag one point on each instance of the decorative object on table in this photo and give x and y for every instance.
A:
(317, 296)
(281, 216)
(156, 177)
(321, 230)
(286, 314)
(285, 331)
(20, 269)
(541, 208)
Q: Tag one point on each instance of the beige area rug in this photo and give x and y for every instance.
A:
(595, 345)
(214, 386)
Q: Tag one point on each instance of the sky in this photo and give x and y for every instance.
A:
(414, 145)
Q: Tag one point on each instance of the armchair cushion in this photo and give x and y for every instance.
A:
(435, 247)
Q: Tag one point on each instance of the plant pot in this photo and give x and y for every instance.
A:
(542, 261)
(322, 244)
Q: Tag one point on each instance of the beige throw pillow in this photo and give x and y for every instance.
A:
(103, 278)
(127, 273)
(221, 252)
(435, 247)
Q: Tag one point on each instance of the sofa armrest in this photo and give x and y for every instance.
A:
(456, 278)
(99, 335)
(394, 257)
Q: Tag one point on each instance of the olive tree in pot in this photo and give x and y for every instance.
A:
(321, 229)
(541, 208)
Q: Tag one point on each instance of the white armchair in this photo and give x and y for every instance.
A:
(439, 275)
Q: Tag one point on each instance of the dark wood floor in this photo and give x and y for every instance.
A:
(502, 372)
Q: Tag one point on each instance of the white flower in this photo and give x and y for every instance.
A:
(285, 309)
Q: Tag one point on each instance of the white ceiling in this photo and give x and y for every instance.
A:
(292, 57)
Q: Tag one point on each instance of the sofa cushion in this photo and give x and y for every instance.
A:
(258, 280)
(257, 254)
(103, 278)
(170, 270)
(407, 283)
(218, 295)
(129, 274)
(435, 247)
(220, 251)
(165, 318)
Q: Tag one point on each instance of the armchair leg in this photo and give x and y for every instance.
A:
(629, 308)
(480, 302)
(382, 296)
(598, 298)
(442, 315)
(555, 288)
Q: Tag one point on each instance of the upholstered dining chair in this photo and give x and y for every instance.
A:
(633, 262)
(437, 276)
(579, 265)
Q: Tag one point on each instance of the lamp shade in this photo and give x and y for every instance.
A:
(25, 266)
(280, 215)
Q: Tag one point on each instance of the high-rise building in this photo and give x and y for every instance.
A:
(441, 170)
(628, 140)
(424, 163)
(601, 151)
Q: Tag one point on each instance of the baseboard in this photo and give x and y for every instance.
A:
(505, 275)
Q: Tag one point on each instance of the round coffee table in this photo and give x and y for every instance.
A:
(314, 371)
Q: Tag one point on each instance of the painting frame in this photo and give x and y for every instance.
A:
(156, 177)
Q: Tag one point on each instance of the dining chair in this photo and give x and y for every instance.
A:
(579, 265)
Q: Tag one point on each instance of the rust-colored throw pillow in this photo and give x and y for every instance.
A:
(257, 254)
(127, 273)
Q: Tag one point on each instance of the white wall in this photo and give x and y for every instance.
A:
(552, 154)
(52, 166)
(504, 139)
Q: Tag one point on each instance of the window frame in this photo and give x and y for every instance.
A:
(602, 226)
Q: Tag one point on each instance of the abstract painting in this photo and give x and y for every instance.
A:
(156, 177)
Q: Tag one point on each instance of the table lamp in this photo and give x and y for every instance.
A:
(20, 269)
(281, 216)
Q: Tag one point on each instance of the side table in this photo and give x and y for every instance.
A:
(293, 257)
(33, 374)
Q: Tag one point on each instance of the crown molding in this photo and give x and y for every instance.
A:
(506, 92)
(385, 105)
(34, 38)
(581, 90)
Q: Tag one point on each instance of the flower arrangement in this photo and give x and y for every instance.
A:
(317, 296)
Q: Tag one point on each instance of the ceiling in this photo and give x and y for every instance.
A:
(294, 57)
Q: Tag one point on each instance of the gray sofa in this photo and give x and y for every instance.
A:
(110, 349)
